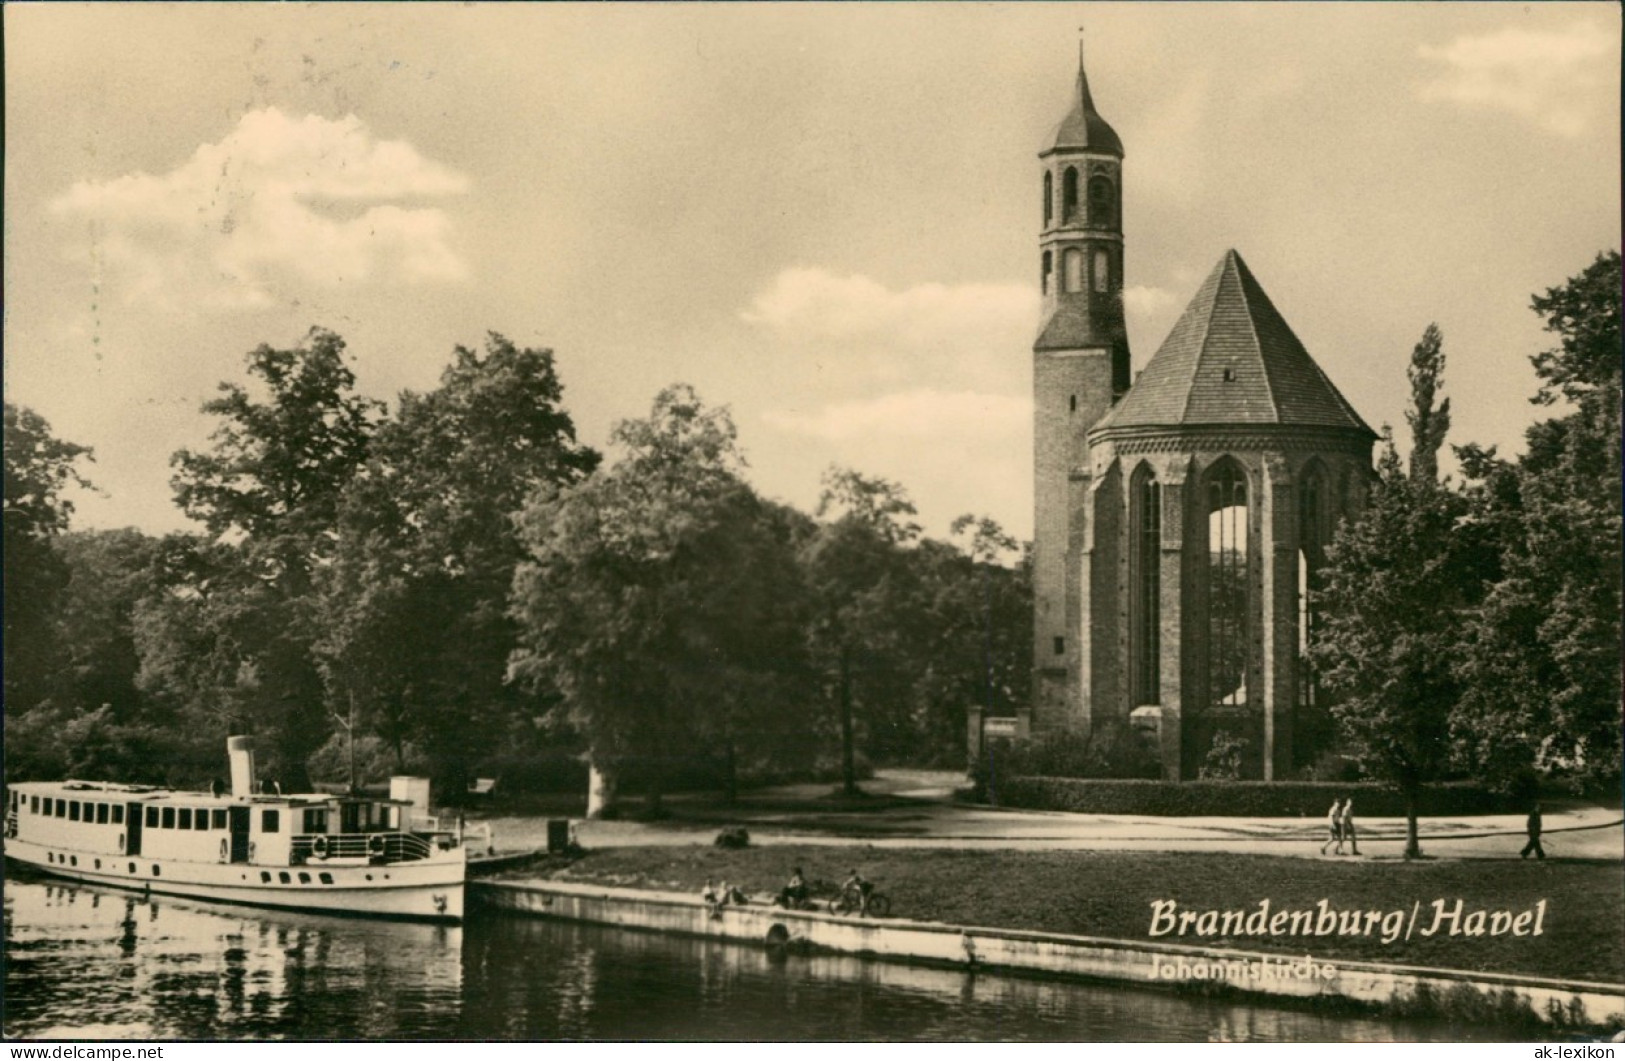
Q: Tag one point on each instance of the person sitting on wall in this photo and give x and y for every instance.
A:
(856, 885)
(712, 898)
(1334, 827)
(794, 894)
(733, 894)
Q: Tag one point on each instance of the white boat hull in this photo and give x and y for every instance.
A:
(430, 889)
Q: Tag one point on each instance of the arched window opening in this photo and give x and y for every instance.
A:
(1102, 210)
(1145, 580)
(1069, 194)
(1312, 535)
(1103, 271)
(1048, 272)
(1072, 268)
(1228, 585)
(1049, 198)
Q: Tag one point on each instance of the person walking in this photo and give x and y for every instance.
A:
(1347, 830)
(1533, 826)
(1334, 828)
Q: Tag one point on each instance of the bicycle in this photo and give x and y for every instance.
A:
(849, 902)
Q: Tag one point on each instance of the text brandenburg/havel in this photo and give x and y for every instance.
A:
(1441, 916)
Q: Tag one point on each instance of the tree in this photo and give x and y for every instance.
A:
(1541, 660)
(414, 607)
(865, 628)
(269, 490)
(279, 464)
(978, 612)
(653, 594)
(39, 467)
(1395, 588)
(224, 649)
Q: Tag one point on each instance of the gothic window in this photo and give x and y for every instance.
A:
(1072, 267)
(1049, 198)
(1227, 584)
(1312, 534)
(1103, 271)
(1145, 580)
(1101, 212)
(1069, 195)
(1049, 270)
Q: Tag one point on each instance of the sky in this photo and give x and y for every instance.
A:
(823, 216)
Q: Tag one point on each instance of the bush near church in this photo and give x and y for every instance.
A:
(1240, 799)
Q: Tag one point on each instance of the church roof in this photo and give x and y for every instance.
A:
(1083, 128)
(1232, 359)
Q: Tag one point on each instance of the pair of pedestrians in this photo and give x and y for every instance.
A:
(1340, 827)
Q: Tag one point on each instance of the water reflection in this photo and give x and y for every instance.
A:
(82, 963)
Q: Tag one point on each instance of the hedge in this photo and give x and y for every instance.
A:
(1239, 799)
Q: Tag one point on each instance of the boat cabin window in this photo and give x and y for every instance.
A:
(102, 811)
(265, 878)
(61, 808)
(185, 818)
(169, 818)
(73, 810)
(202, 820)
(282, 877)
(304, 878)
(271, 822)
(316, 820)
(325, 878)
(118, 814)
(152, 817)
(33, 804)
(219, 819)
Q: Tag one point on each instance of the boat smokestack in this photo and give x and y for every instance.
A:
(241, 752)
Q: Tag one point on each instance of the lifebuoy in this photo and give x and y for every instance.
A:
(375, 844)
(318, 847)
(225, 850)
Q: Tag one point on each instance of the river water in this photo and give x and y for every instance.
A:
(86, 963)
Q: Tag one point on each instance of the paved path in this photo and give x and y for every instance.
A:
(916, 809)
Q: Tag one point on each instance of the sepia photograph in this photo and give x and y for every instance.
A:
(813, 522)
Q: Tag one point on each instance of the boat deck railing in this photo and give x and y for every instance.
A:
(382, 847)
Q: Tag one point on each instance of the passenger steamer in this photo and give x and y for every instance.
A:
(334, 854)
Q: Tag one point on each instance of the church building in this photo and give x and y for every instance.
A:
(1180, 515)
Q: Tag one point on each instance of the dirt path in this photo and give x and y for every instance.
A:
(916, 809)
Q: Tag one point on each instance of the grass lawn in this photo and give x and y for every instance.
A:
(1111, 894)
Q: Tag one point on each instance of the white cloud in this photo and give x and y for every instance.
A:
(923, 415)
(1552, 77)
(280, 202)
(1143, 301)
(968, 332)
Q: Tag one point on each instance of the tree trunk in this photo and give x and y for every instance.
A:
(349, 731)
(600, 791)
(849, 769)
(1413, 843)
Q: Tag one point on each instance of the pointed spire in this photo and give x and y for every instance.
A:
(1083, 127)
(1085, 100)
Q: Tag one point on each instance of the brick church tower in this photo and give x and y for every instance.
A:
(1178, 521)
(1080, 368)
